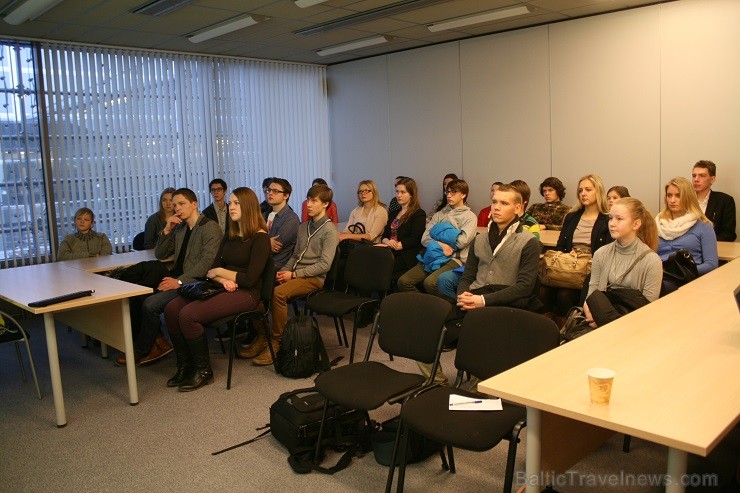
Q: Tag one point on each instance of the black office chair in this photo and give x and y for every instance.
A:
(367, 279)
(259, 313)
(410, 325)
(492, 340)
(329, 283)
(138, 243)
(12, 331)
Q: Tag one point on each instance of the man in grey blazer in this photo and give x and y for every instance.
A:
(193, 241)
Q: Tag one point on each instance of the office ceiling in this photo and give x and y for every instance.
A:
(112, 23)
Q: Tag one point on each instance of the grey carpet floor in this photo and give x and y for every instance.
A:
(165, 443)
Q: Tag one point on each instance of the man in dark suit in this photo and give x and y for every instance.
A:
(717, 206)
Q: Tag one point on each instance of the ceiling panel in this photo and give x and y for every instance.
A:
(111, 22)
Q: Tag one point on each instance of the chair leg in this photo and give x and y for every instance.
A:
(31, 364)
(232, 351)
(317, 451)
(626, 444)
(443, 457)
(511, 458)
(451, 458)
(20, 361)
(339, 333)
(405, 437)
(394, 457)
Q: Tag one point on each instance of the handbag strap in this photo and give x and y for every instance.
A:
(632, 265)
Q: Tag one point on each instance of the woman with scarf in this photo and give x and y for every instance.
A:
(682, 225)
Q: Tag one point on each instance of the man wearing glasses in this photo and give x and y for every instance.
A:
(219, 210)
(449, 233)
(282, 221)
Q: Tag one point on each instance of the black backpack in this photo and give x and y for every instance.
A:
(302, 352)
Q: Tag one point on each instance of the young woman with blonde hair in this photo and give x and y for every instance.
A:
(157, 221)
(238, 266)
(682, 225)
(585, 230)
(370, 212)
(630, 260)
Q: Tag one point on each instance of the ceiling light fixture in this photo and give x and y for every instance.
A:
(29, 10)
(478, 19)
(369, 15)
(354, 45)
(308, 3)
(225, 27)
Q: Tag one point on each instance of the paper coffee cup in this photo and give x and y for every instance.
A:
(600, 381)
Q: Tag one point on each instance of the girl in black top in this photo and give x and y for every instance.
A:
(238, 267)
(405, 227)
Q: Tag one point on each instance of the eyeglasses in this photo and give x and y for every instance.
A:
(364, 191)
(217, 189)
(273, 190)
(451, 192)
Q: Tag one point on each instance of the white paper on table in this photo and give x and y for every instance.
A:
(466, 403)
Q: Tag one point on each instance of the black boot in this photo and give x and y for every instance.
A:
(203, 374)
(185, 364)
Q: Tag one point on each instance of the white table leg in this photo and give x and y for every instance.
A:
(677, 460)
(128, 343)
(533, 457)
(56, 376)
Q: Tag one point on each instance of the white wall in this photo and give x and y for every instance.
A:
(635, 96)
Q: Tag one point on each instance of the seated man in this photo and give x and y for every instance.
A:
(282, 221)
(193, 239)
(484, 216)
(461, 218)
(218, 211)
(717, 206)
(304, 272)
(501, 269)
(447, 283)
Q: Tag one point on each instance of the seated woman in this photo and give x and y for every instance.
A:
(616, 193)
(157, 221)
(630, 260)
(370, 213)
(331, 212)
(393, 204)
(85, 242)
(681, 224)
(405, 227)
(238, 267)
(551, 214)
(585, 230)
(441, 203)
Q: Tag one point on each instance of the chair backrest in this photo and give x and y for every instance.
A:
(495, 339)
(268, 284)
(333, 274)
(10, 329)
(410, 324)
(138, 243)
(369, 269)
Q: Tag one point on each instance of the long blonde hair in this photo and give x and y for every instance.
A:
(648, 232)
(601, 200)
(689, 202)
(251, 221)
(375, 201)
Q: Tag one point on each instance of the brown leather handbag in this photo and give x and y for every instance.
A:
(564, 270)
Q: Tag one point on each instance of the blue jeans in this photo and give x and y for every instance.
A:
(151, 325)
(447, 283)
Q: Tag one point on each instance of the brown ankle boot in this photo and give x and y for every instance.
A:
(265, 358)
(254, 349)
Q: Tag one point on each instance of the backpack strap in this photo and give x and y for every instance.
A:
(632, 265)
(324, 363)
(251, 440)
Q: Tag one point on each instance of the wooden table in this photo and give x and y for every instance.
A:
(728, 250)
(107, 263)
(674, 361)
(104, 315)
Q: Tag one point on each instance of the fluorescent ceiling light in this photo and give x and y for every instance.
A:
(29, 10)
(308, 3)
(225, 27)
(477, 19)
(354, 45)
